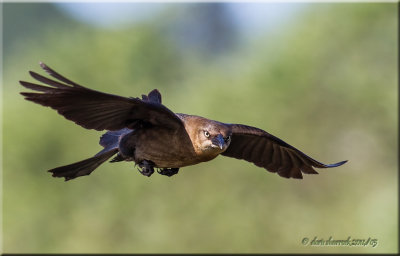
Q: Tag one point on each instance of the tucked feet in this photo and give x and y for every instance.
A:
(146, 168)
(168, 171)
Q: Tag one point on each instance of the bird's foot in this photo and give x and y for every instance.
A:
(146, 168)
(168, 171)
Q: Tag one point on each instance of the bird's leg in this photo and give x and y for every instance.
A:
(168, 171)
(146, 168)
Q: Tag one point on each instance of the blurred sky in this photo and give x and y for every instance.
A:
(252, 19)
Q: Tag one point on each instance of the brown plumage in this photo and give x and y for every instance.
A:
(148, 133)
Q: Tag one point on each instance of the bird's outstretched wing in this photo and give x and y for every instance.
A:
(96, 110)
(267, 151)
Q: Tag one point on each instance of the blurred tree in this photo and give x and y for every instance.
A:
(19, 26)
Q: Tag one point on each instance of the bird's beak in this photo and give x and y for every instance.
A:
(218, 141)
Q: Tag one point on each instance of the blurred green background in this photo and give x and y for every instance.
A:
(325, 81)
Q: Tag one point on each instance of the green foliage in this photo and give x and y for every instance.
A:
(326, 85)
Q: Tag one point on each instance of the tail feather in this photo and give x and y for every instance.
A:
(84, 167)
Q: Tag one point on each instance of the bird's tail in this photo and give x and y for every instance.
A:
(84, 167)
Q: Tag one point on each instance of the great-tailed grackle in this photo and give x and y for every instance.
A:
(148, 133)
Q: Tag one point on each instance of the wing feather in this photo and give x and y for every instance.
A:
(58, 76)
(96, 110)
(285, 165)
(273, 154)
(258, 151)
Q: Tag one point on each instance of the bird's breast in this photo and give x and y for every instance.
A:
(164, 147)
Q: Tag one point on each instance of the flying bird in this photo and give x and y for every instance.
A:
(146, 132)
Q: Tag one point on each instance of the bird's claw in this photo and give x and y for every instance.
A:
(146, 171)
(168, 171)
(146, 168)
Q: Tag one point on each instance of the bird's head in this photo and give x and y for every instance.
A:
(209, 138)
(213, 137)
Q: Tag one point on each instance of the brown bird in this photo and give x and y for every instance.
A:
(148, 133)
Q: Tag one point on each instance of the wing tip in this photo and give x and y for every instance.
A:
(25, 94)
(34, 74)
(45, 68)
(337, 164)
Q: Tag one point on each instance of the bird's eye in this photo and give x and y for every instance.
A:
(227, 138)
(207, 134)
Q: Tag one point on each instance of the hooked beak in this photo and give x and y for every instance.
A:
(218, 141)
